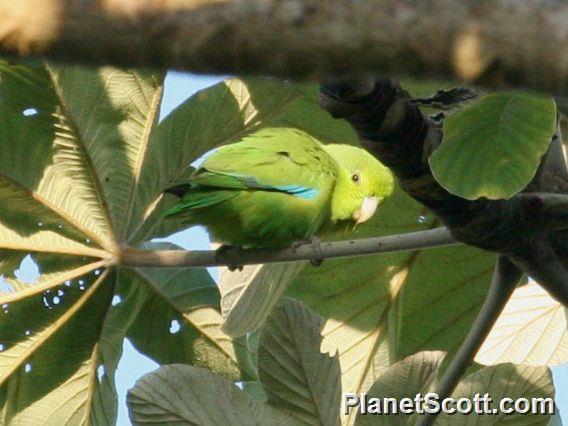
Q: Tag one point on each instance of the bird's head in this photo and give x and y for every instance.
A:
(363, 183)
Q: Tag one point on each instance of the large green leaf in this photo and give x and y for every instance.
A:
(186, 312)
(82, 167)
(493, 147)
(505, 381)
(297, 378)
(302, 384)
(250, 295)
(185, 395)
(113, 114)
(170, 317)
(414, 374)
(35, 389)
(83, 163)
(417, 374)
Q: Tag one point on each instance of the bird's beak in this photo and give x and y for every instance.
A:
(367, 210)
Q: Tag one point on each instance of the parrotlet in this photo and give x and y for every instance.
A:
(278, 186)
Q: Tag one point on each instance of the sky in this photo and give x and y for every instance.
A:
(133, 365)
(177, 88)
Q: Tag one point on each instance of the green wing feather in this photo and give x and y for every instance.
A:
(273, 159)
(197, 198)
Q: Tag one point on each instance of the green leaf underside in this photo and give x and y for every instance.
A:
(297, 378)
(414, 374)
(34, 388)
(301, 383)
(500, 381)
(82, 154)
(493, 147)
(418, 374)
(77, 151)
(199, 340)
(186, 395)
(250, 295)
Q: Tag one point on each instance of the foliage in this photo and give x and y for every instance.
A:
(83, 163)
(532, 330)
(303, 385)
(492, 148)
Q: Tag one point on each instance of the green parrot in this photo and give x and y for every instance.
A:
(278, 186)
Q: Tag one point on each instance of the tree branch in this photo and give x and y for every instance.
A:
(432, 238)
(393, 129)
(505, 278)
(468, 40)
(402, 138)
(541, 263)
(549, 210)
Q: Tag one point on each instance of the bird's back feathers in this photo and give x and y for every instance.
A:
(274, 185)
(274, 159)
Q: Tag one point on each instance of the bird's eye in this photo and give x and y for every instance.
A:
(355, 177)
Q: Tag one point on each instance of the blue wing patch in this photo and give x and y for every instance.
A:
(299, 191)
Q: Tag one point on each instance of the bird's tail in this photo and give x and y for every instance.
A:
(178, 190)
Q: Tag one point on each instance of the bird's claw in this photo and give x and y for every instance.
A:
(222, 250)
(317, 259)
(234, 268)
(316, 263)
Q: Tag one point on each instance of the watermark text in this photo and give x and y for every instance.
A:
(430, 403)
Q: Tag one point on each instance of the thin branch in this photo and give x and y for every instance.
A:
(505, 278)
(432, 238)
(448, 99)
(540, 262)
(465, 40)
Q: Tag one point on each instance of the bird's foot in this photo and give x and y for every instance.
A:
(224, 248)
(314, 241)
